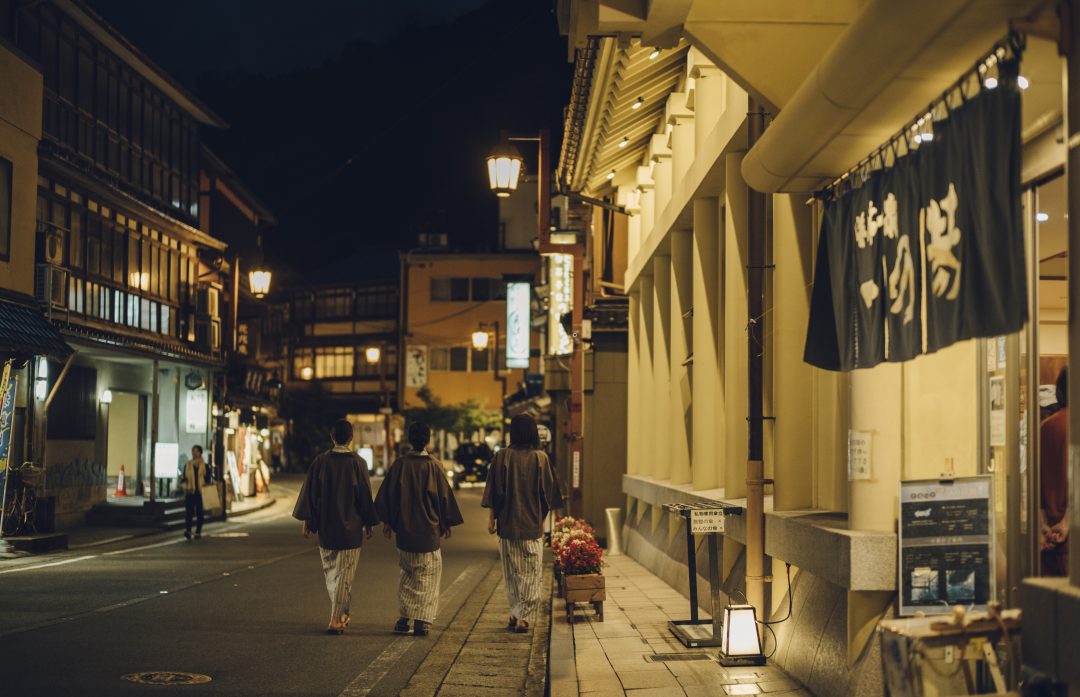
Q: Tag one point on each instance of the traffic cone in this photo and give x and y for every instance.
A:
(121, 484)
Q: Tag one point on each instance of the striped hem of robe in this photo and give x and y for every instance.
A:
(418, 587)
(339, 568)
(522, 564)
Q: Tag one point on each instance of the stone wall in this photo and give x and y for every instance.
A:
(78, 485)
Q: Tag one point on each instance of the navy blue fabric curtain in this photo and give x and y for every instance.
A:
(929, 251)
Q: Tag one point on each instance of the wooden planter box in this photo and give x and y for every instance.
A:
(584, 588)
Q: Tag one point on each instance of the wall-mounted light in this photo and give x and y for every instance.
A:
(41, 378)
(106, 396)
(372, 354)
(306, 372)
(259, 280)
(1042, 217)
(504, 169)
(480, 340)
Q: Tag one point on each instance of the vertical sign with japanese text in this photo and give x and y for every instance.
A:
(416, 366)
(518, 324)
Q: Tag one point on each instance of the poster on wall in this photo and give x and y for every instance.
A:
(904, 264)
(8, 384)
(518, 324)
(416, 366)
(946, 545)
(997, 412)
(195, 412)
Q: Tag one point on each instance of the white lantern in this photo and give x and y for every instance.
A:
(259, 280)
(480, 340)
(106, 396)
(372, 354)
(740, 643)
(504, 169)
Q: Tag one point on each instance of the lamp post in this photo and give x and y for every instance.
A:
(480, 341)
(504, 170)
(375, 356)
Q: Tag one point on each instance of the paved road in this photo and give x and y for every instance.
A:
(245, 605)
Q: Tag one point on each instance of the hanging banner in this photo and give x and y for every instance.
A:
(416, 366)
(518, 324)
(929, 251)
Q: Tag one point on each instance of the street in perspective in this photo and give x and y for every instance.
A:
(539, 348)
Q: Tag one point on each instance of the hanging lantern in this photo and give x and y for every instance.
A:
(504, 169)
(259, 280)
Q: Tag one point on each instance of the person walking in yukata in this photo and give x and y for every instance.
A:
(196, 474)
(521, 490)
(335, 504)
(416, 503)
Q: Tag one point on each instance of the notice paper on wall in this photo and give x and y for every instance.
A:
(859, 466)
(997, 412)
(946, 544)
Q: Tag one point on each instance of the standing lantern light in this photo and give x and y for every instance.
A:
(740, 643)
(259, 280)
(504, 169)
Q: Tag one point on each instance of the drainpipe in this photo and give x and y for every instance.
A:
(755, 334)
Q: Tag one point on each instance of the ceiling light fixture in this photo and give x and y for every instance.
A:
(638, 103)
(654, 55)
(611, 175)
(624, 142)
(990, 82)
(1042, 217)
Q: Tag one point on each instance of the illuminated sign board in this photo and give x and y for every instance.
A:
(518, 327)
(561, 275)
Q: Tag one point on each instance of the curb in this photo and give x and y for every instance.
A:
(562, 666)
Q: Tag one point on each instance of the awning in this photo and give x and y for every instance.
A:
(24, 330)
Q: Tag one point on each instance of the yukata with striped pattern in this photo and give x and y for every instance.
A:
(335, 503)
(521, 490)
(417, 503)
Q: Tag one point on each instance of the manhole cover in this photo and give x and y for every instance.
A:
(666, 657)
(166, 677)
(230, 534)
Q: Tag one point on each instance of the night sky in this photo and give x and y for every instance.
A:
(361, 124)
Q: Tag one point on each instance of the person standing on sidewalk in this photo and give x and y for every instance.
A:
(196, 474)
(416, 503)
(335, 503)
(521, 490)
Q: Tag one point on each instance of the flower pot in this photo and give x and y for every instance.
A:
(584, 588)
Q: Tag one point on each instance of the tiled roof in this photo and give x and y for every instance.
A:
(24, 330)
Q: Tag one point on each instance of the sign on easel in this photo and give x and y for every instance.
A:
(706, 520)
(946, 544)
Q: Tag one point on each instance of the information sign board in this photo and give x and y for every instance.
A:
(703, 520)
(946, 544)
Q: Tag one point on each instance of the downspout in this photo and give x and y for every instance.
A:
(755, 335)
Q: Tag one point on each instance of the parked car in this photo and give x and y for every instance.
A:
(471, 464)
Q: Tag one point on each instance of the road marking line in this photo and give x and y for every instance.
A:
(365, 682)
(151, 546)
(121, 538)
(52, 563)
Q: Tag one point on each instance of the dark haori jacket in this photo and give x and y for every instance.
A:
(416, 501)
(335, 500)
(521, 490)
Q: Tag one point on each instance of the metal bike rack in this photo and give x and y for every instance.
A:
(704, 518)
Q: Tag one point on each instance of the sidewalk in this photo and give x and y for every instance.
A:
(618, 656)
(477, 657)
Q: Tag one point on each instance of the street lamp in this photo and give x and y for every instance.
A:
(505, 160)
(373, 354)
(504, 169)
(480, 340)
(259, 280)
(306, 372)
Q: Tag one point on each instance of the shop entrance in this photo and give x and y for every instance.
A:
(1017, 389)
(126, 440)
